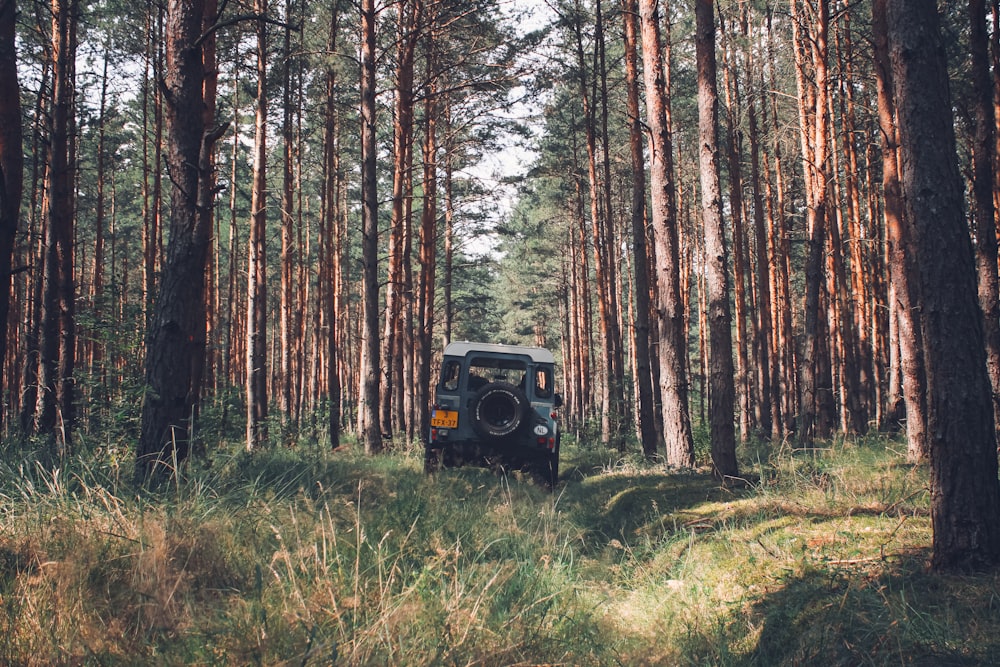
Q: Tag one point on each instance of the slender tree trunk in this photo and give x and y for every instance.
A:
(11, 172)
(392, 395)
(53, 413)
(449, 221)
(983, 215)
(720, 322)
(288, 246)
(817, 398)
(201, 363)
(256, 380)
(330, 269)
(670, 315)
(428, 248)
(610, 371)
(965, 494)
(640, 340)
(904, 288)
(616, 365)
(370, 363)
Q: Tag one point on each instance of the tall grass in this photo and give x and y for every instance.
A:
(306, 557)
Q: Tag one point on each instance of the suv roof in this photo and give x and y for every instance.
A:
(537, 354)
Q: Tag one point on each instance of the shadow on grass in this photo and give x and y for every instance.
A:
(881, 613)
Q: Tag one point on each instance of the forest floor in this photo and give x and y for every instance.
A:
(306, 557)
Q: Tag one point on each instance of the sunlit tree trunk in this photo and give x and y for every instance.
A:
(392, 389)
(256, 380)
(610, 362)
(817, 409)
(909, 338)
(428, 249)
(722, 390)
(640, 339)
(670, 316)
(289, 251)
(329, 289)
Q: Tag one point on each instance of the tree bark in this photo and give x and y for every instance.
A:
(904, 288)
(256, 380)
(670, 316)
(983, 218)
(816, 384)
(370, 362)
(965, 494)
(428, 247)
(640, 339)
(178, 316)
(11, 171)
(54, 408)
(722, 388)
(330, 269)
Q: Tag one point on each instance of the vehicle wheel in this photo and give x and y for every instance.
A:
(499, 410)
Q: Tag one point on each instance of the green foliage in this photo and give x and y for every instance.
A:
(303, 556)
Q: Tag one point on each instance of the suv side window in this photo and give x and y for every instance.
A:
(450, 373)
(543, 382)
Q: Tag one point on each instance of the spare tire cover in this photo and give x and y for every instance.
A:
(499, 410)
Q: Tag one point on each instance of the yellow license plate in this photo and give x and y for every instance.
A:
(444, 419)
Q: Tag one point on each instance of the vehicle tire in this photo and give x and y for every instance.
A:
(498, 411)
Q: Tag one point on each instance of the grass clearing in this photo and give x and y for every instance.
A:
(305, 557)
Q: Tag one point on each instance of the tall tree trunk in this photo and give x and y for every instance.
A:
(965, 494)
(670, 316)
(904, 288)
(428, 246)
(370, 364)
(983, 214)
(286, 380)
(781, 233)
(746, 390)
(616, 365)
(178, 318)
(53, 413)
(330, 269)
(611, 389)
(206, 200)
(640, 340)
(449, 221)
(256, 380)
(391, 400)
(811, 50)
(722, 388)
(11, 172)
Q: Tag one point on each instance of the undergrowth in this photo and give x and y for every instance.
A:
(307, 557)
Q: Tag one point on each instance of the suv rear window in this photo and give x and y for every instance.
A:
(483, 370)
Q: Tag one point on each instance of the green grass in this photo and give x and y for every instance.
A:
(305, 557)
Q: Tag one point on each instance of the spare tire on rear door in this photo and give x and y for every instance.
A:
(498, 411)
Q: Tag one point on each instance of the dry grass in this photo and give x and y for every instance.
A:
(299, 557)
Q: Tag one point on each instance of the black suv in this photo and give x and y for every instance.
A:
(495, 404)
